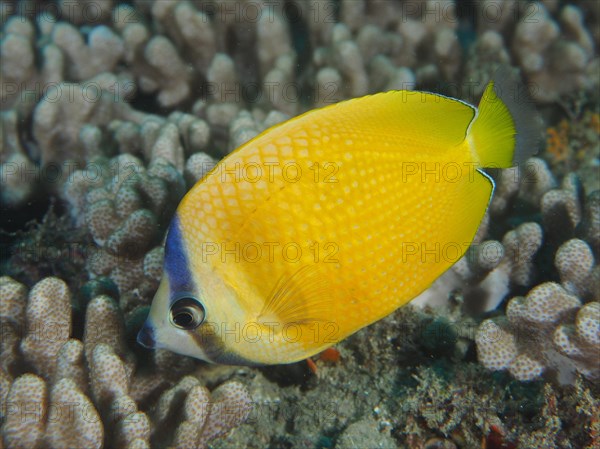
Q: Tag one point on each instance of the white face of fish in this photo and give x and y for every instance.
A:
(170, 323)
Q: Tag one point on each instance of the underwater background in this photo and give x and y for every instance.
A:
(111, 111)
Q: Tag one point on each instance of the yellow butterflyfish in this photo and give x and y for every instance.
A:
(330, 221)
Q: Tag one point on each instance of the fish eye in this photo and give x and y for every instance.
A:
(187, 313)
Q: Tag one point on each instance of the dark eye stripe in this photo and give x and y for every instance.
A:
(176, 261)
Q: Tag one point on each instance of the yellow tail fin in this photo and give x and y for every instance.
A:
(505, 131)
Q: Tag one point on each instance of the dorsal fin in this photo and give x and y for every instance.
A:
(300, 298)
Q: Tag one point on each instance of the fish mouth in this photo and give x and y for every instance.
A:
(145, 337)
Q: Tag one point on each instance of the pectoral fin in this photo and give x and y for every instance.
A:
(304, 297)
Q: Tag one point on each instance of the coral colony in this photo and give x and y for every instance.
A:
(111, 111)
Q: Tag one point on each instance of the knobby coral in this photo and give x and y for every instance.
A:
(117, 113)
(62, 392)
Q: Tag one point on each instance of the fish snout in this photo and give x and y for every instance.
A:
(145, 336)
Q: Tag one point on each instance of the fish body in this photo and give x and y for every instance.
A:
(329, 222)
